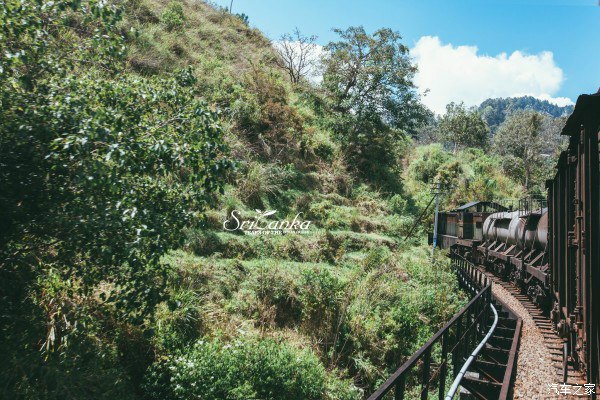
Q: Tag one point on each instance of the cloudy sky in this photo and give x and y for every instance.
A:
(466, 50)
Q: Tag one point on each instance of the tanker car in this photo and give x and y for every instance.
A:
(548, 247)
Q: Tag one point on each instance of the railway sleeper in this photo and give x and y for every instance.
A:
(480, 388)
(494, 354)
(492, 371)
(501, 342)
(505, 322)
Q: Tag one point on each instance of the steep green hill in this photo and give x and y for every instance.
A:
(334, 291)
(132, 137)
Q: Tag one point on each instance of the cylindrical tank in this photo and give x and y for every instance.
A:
(511, 228)
(496, 226)
(536, 235)
(516, 230)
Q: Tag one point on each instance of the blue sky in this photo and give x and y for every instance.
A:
(557, 42)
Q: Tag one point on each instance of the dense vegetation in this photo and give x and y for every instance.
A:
(130, 131)
(495, 111)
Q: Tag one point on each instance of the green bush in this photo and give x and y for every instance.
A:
(244, 369)
(427, 162)
(179, 321)
(320, 295)
(260, 181)
(202, 242)
(173, 16)
(397, 204)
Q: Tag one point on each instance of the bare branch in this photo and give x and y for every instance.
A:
(297, 54)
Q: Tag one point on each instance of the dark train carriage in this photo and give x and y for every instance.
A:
(463, 226)
(574, 239)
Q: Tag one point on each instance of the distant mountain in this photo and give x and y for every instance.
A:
(495, 110)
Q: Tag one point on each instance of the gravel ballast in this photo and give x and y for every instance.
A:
(535, 372)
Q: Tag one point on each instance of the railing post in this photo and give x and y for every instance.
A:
(399, 389)
(444, 366)
(484, 315)
(457, 353)
(482, 328)
(425, 375)
(476, 319)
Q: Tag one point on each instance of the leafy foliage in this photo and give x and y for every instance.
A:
(469, 174)
(101, 172)
(463, 128)
(244, 369)
(368, 79)
(173, 17)
(495, 111)
(525, 140)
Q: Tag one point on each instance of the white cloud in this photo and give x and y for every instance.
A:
(458, 73)
(559, 101)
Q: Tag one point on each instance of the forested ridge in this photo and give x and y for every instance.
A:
(495, 111)
(129, 133)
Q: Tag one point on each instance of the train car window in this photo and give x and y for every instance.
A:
(451, 226)
(478, 231)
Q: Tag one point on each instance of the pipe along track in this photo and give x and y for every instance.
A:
(488, 373)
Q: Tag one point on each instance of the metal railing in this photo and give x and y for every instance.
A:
(524, 205)
(532, 204)
(428, 370)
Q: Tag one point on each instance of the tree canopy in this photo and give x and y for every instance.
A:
(369, 83)
(495, 111)
(463, 127)
(100, 172)
(523, 140)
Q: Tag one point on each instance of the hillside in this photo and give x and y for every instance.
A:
(333, 292)
(137, 134)
(495, 111)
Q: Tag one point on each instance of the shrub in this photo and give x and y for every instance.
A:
(173, 16)
(321, 293)
(203, 242)
(263, 115)
(274, 293)
(397, 204)
(322, 145)
(179, 320)
(425, 167)
(247, 368)
(259, 181)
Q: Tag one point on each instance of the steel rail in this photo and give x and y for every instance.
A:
(472, 357)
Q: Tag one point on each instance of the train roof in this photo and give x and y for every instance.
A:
(481, 206)
(586, 108)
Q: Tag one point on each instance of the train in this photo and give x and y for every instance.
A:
(550, 247)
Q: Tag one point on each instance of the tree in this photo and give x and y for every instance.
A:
(464, 127)
(297, 55)
(369, 84)
(100, 171)
(521, 140)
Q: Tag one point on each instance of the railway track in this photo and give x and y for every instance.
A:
(552, 341)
